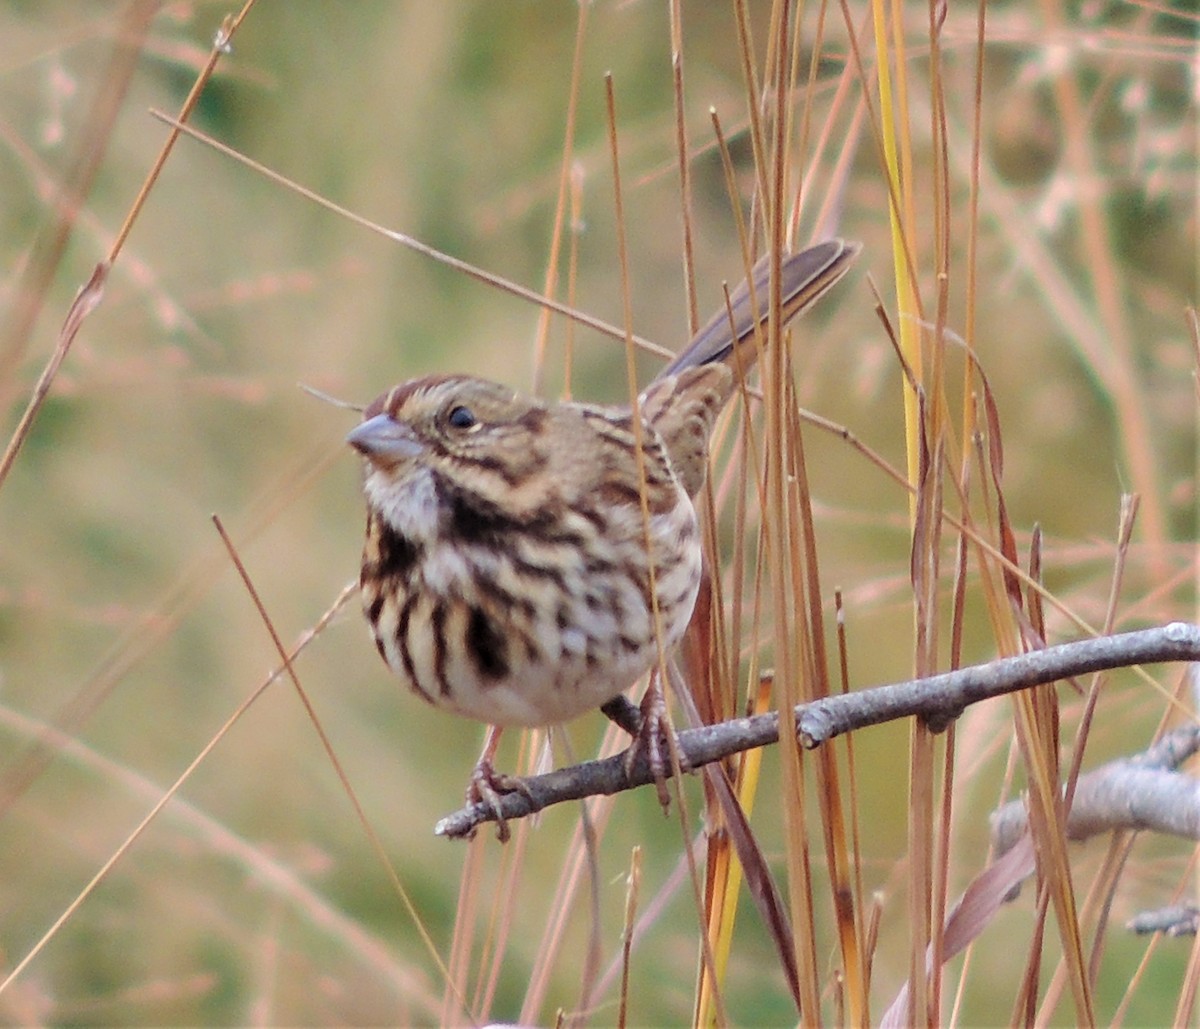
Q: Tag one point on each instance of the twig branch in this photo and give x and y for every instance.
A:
(1141, 792)
(1176, 920)
(939, 699)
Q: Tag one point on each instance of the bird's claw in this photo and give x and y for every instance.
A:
(654, 741)
(486, 787)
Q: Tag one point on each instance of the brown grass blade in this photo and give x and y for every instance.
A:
(973, 913)
(759, 880)
(92, 147)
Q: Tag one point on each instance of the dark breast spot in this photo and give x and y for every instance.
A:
(397, 553)
(486, 645)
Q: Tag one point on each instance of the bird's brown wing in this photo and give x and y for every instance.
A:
(682, 408)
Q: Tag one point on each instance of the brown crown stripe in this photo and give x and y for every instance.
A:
(391, 401)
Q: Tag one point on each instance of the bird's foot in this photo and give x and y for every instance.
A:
(487, 786)
(653, 737)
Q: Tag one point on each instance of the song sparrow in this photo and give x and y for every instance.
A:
(512, 546)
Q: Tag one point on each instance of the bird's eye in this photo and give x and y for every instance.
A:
(462, 417)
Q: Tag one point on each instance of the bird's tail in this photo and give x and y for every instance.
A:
(805, 275)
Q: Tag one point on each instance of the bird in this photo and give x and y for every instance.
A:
(526, 560)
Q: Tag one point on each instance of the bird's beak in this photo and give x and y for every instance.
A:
(384, 441)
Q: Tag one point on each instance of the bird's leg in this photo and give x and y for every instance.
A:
(487, 784)
(648, 726)
(624, 712)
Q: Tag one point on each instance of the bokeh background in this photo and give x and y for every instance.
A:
(256, 896)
